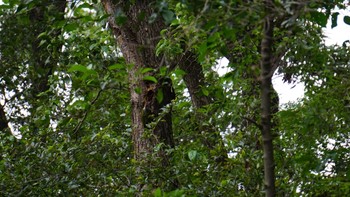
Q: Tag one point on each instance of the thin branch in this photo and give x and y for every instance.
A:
(77, 128)
(252, 121)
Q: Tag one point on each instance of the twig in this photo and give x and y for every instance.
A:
(77, 128)
(252, 121)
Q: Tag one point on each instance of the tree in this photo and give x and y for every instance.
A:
(40, 51)
(151, 93)
(124, 99)
(154, 94)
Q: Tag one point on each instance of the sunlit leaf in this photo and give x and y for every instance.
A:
(79, 68)
(179, 72)
(86, 5)
(145, 70)
(205, 91)
(116, 66)
(157, 192)
(150, 78)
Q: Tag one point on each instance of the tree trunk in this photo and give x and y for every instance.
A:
(194, 79)
(41, 59)
(137, 39)
(266, 115)
(44, 57)
(3, 119)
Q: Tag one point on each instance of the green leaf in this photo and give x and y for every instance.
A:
(347, 20)
(79, 68)
(80, 104)
(163, 70)
(179, 72)
(175, 22)
(150, 78)
(224, 183)
(86, 5)
(116, 67)
(157, 192)
(162, 46)
(158, 147)
(71, 27)
(59, 24)
(145, 70)
(42, 42)
(335, 19)
(4, 7)
(160, 96)
(43, 34)
(205, 91)
(120, 17)
(202, 49)
(192, 154)
(319, 18)
(138, 90)
(20, 8)
(168, 16)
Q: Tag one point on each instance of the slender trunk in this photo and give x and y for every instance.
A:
(41, 61)
(3, 119)
(266, 115)
(44, 57)
(194, 79)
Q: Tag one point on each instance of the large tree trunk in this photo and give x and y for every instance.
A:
(137, 39)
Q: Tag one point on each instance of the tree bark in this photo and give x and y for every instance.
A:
(266, 86)
(3, 119)
(137, 39)
(194, 79)
(41, 61)
(44, 57)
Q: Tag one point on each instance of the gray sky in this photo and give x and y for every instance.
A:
(337, 35)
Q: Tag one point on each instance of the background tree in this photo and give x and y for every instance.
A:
(80, 138)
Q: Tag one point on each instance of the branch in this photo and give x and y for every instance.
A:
(109, 7)
(77, 128)
(252, 121)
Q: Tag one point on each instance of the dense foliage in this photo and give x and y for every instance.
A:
(67, 123)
